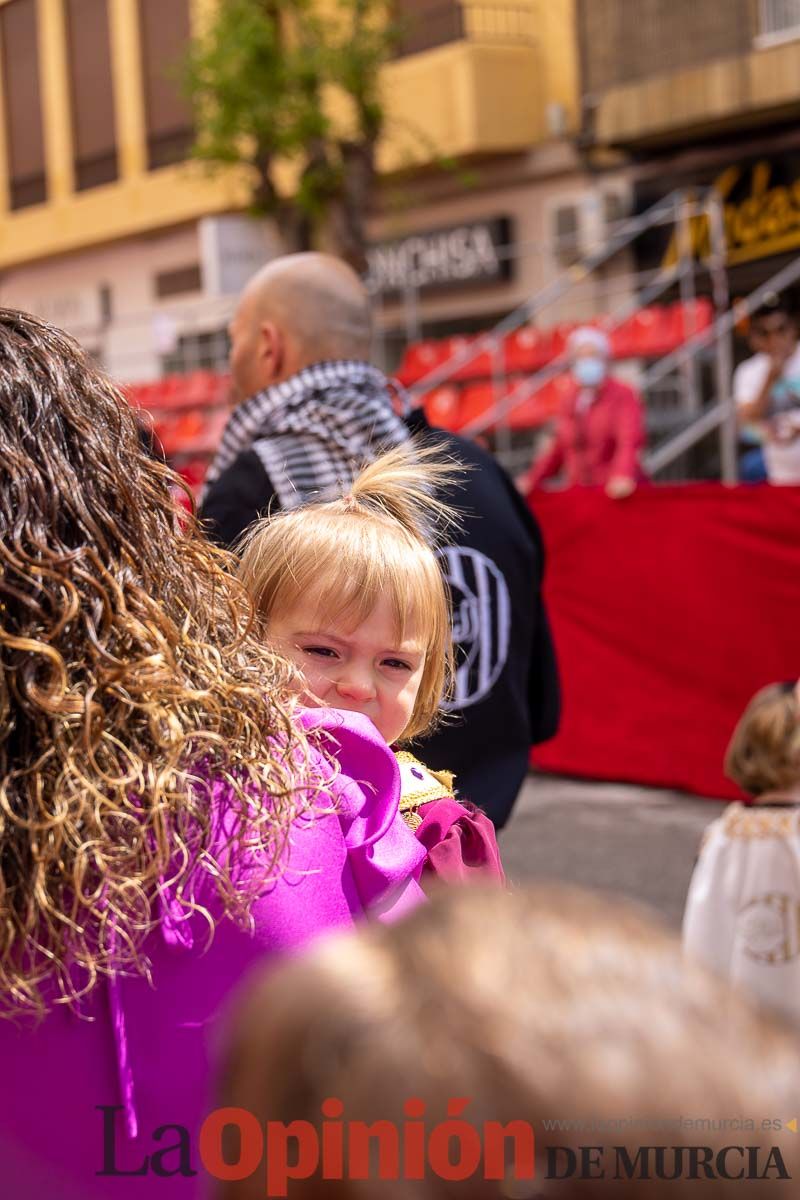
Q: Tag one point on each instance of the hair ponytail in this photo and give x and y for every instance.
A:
(402, 486)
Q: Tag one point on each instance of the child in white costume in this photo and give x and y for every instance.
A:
(742, 915)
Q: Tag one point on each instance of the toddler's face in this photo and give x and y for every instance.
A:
(363, 669)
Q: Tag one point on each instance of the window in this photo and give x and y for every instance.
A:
(23, 106)
(165, 33)
(179, 281)
(198, 352)
(94, 133)
(566, 234)
(779, 20)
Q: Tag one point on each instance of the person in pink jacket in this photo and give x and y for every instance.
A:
(166, 820)
(599, 431)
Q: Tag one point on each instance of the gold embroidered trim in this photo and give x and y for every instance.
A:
(435, 785)
(741, 822)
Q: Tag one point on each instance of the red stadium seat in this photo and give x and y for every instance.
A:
(421, 358)
(528, 349)
(542, 406)
(442, 407)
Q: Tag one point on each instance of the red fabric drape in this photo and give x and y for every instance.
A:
(669, 610)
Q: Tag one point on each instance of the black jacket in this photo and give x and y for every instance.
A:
(507, 695)
(241, 494)
(507, 691)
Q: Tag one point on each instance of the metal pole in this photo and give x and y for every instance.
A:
(683, 234)
(411, 312)
(378, 338)
(723, 346)
(503, 426)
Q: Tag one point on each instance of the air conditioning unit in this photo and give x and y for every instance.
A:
(580, 227)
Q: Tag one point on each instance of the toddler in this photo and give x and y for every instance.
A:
(351, 592)
(743, 908)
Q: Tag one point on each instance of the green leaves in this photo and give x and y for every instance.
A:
(266, 83)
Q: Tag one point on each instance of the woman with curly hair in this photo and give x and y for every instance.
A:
(163, 822)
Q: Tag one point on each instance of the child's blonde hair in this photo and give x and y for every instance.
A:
(764, 752)
(375, 541)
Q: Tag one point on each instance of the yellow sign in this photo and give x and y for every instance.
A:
(767, 221)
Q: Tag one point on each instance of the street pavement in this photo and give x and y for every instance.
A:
(640, 842)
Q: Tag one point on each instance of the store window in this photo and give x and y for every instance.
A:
(94, 131)
(22, 103)
(165, 31)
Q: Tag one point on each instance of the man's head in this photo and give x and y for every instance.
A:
(298, 310)
(772, 328)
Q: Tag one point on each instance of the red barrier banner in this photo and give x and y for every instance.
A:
(670, 609)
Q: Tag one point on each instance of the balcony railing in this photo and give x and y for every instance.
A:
(624, 41)
(426, 25)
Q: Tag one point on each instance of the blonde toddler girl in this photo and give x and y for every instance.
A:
(351, 592)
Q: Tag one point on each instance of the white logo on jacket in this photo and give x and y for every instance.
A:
(481, 622)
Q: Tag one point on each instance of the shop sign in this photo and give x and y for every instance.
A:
(761, 204)
(457, 256)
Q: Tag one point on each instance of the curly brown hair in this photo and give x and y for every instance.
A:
(130, 682)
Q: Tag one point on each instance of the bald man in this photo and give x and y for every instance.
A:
(298, 310)
(309, 408)
(310, 411)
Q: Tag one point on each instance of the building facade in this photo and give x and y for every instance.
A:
(700, 96)
(107, 229)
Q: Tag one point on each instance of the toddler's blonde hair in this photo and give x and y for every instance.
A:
(376, 540)
(764, 752)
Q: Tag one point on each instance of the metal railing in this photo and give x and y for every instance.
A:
(425, 26)
(623, 234)
(722, 415)
(678, 371)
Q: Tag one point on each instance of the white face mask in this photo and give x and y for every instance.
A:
(589, 372)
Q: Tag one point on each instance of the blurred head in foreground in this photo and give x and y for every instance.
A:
(545, 1005)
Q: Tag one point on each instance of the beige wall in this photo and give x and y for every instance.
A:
(67, 291)
(468, 98)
